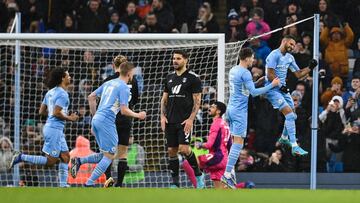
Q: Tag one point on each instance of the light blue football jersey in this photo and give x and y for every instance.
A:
(57, 96)
(280, 63)
(113, 93)
(241, 86)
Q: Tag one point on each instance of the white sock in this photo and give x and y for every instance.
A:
(285, 137)
(227, 174)
(294, 144)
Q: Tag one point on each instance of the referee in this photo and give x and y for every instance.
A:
(123, 126)
(179, 105)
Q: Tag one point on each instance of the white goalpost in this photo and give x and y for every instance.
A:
(88, 58)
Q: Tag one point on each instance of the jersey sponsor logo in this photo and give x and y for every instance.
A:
(176, 89)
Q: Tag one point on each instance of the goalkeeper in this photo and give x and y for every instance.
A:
(277, 64)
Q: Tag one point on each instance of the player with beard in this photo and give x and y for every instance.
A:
(179, 104)
(277, 64)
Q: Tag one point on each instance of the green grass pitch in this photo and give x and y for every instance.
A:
(101, 195)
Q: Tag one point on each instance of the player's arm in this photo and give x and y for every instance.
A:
(60, 103)
(163, 105)
(43, 110)
(257, 91)
(211, 138)
(300, 73)
(92, 103)
(60, 115)
(125, 110)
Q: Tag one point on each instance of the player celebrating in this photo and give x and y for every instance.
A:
(241, 85)
(123, 127)
(114, 97)
(55, 106)
(217, 144)
(179, 104)
(277, 64)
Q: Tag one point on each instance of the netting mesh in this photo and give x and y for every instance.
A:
(89, 62)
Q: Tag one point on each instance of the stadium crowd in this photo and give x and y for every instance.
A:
(339, 65)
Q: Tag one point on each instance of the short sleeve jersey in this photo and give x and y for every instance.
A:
(180, 90)
(281, 63)
(113, 93)
(57, 96)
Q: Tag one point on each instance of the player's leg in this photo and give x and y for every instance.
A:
(290, 118)
(51, 148)
(64, 163)
(122, 164)
(189, 172)
(238, 127)
(76, 162)
(184, 149)
(173, 147)
(108, 140)
(124, 131)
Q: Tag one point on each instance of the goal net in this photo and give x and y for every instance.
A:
(89, 62)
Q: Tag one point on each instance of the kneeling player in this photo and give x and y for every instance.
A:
(217, 144)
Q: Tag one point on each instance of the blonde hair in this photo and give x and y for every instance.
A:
(118, 60)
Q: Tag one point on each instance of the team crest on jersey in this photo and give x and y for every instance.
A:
(280, 101)
(113, 149)
(184, 80)
(54, 153)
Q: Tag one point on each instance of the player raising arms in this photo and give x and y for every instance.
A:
(114, 98)
(241, 85)
(277, 64)
(55, 107)
(218, 143)
(179, 104)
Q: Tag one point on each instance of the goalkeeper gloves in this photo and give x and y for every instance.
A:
(312, 64)
(284, 89)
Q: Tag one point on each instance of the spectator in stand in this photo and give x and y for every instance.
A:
(272, 12)
(245, 162)
(82, 149)
(6, 152)
(130, 18)
(164, 15)
(206, 21)
(326, 15)
(257, 25)
(93, 19)
(332, 124)
(305, 92)
(293, 30)
(275, 162)
(351, 98)
(183, 19)
(336, 42)
(307, 42)
(115, 26)
(151, 25)
(136, 161)
(261, 50)
(32, 12)
(69, 25)
(349, 144)
(329, 93)
(234, 30)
